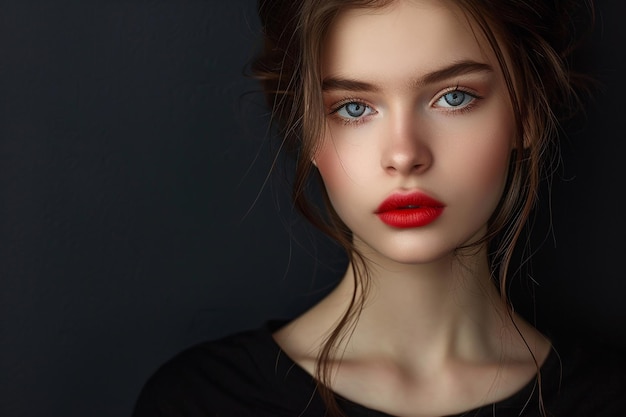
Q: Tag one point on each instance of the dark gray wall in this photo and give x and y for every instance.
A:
(134, 220)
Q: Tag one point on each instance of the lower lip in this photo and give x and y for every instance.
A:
(410, 217)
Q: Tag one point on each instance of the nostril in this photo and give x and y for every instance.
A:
(405, 157)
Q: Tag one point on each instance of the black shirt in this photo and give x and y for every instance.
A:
(247, 375)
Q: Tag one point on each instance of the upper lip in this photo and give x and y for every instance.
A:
(415, 199)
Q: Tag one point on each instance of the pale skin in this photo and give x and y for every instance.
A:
(416, 102)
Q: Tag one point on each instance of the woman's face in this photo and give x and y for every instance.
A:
(419, 129)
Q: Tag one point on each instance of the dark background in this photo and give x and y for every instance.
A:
(136, 219)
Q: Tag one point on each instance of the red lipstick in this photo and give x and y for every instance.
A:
(409, 210)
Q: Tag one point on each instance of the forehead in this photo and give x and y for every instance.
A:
(413, 36)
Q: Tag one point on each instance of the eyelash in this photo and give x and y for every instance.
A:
(350, 122)
(451, 110)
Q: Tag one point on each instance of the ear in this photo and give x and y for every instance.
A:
(314, 162)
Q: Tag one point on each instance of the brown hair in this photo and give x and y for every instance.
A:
(537, 37)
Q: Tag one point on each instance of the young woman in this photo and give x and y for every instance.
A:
(429, 123)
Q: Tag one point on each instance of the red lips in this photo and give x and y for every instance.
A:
(409, 210)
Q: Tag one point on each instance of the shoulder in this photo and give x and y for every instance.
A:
(238, 375)
(587, 379)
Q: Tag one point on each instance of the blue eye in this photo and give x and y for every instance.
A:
(455, 99)
(353, 110)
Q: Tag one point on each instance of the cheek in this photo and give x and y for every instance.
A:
(490, 163)
(342, 166)
(339, 161)
(329, 165)
(334, 177)
(326, 155)
(479, 160)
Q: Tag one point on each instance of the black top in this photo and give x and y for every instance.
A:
(247, 375)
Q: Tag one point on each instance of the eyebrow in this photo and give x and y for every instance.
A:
(453, 70)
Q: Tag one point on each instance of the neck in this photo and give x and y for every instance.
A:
(450, 308)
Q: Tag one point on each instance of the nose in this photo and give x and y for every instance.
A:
(405, 148)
